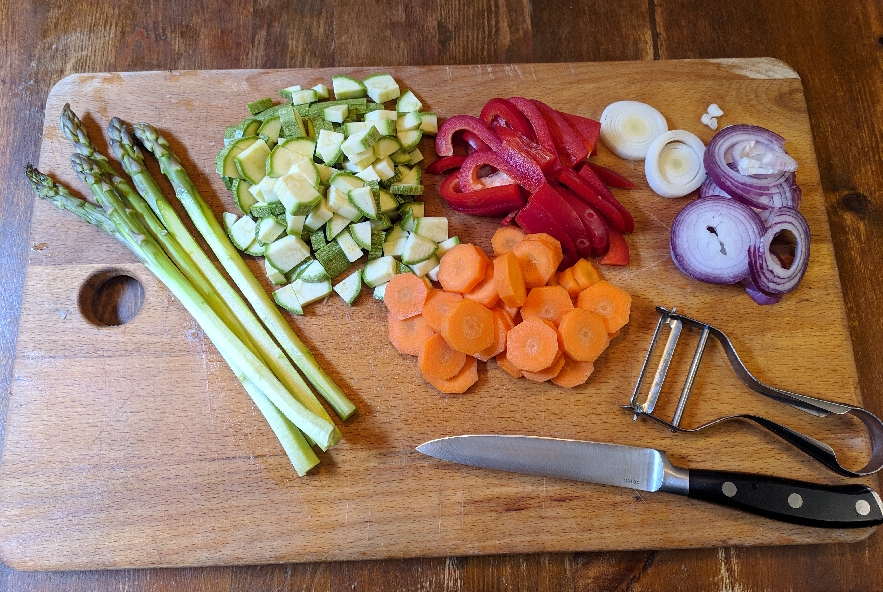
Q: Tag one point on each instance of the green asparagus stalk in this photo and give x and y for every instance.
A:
(123, 146)
(206, 223)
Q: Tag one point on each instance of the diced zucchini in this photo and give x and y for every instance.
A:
(270, 130)
(408, 121)
(417, 249)
(347, 88)
(251, 163)
(282, 158)
(381, 222)
(408, 102)
(409, 139)
(429, 123)
(381, 88)
(350, 288)
(386, 146)
(352, 127)
(328, 146)
(424, 267)
(286, 297)
(415, 156)
(294, 224)
(285, 93)
(376, 250)
(309, 292)
(395, 247)
(362, 160)
(345, 181)
(362, 199)
(417, 209)
(409, 184)
(386, 203)
(298, 195)
(325, 173)
(335, 225)
(267, 210)
(292, 123)
(339, 202)
(447, 245)
(360, 142)
(433, 273)
(381, 114)
(385, 127)
(225, 163)
(384, 168)
(333, 258)
(380, 292)
(400, 156)
(435, 228)
(349, 246)
(322, 91)
(314, 272)
(299, 269)
(243, 197)
(268, 230)
(335, 113)
(368, 174)
(361, 233)
(305, 147)
(395, 233)
(284, 254)
(307, 168)
(402, 268)
(256, 107)
(242, 232)
(304, 97)
(379, 271)
(319, 215)
(318, 240)
(276, 277)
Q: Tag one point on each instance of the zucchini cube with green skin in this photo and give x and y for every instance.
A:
(335, 226)
(349, 246)
(434, 228)
(350, 288)
(408, 102)
(347, 88)
(286, 253)
(319, 215)
(270, 129)
(429, 123)
(376, 250)
(294, 224)
(266, 189)
(286, 92)
(415, 156)
(385, 127)
(314, 272)
(379, 271)
(363, 159)
(409, 139)
(307, 169)
(251, 163)
(333, 259)
(335, 113)
(225, 163)
(425, 267)
(352, 127)
(276, 277)
(242, 232)
(382, 88)
(292, 123)
(361, 233)
(241, 194)
(395, 247)
(384, 168)
(360, 142)
(446, 245)
(408, 121)
(268, 230)
(304, 97)
(256, 107)
(368, 174)
(286, 297)
(418, 249)
(309, 292)
(385, 146)
(328, 146)
(322, 91)
(381, 114)
(400, 156)
(298, 195)
(339, 202)
(362, 199)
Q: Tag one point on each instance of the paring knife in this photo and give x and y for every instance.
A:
(809, 504)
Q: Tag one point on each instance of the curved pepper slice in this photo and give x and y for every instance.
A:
(541, 130)
(599, 232)
(571, 148)
(506, 111)
(489, 201)
(475, 143)
(444, 164)
(610, 177)
(566, 216)
(520, 168)
(446, 131)
(534, 218)
(586, 171)
(588, 194)
(619, 251)
(587, 129)
(527, 147)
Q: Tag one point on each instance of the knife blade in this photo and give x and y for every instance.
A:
(648, 469)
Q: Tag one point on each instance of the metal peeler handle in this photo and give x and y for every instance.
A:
(814, 406)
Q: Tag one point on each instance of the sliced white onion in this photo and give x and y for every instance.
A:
(629, 127)
(674, 164)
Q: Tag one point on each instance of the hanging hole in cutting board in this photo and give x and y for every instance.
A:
(111, 298)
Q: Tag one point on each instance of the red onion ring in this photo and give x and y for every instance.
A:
(710, 238)
(767, 271)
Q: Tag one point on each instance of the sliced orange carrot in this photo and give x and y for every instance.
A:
(573, 373)
(485, 293)
(509, 279)
(405, 295)
(547, 373)
(551, 242)
(610, 302)
(567, 281)
(538, 262)
(585, 273)
(436, 306)
(468, 327)
(459, 383)
(547, 302)
(462, 268)
(504, 363)
(553, 281)
(505, 238)
(614, 335)
(512, 311)
(582, 335)
(438, 360)
(502, 324)
(532, 345)
(408, 335)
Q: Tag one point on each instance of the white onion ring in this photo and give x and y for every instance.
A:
(629, 127)
(674, 164)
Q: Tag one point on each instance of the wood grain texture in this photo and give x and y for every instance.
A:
(834, 48)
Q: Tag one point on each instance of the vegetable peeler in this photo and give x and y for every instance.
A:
(814, 406)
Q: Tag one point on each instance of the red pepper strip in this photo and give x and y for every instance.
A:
(618, 253)
(530, 149)
(510, 217)
(445, 164)
(443, 145)
(587, 173)
(588, 194)
(534, 218)
(521, 169)
(566, 216)
(506, 111)
(571, 149)
(475, 143)
(489, 201)
(541, 130)
(587, 129)
(610, 177)
(599, 232)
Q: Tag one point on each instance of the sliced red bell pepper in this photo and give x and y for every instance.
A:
(521, 169)
(619, 251)
(445, 164)
(475, 143)
(566, 216)
(599, 232)
(589, 195)
(541, 130)
(571, 149)
(587, 129)
(446, 131)
(610, 177)
(587, 173)
(510, 218)
(504, 110)
(488, 201)
(532, 150)
(534, 218)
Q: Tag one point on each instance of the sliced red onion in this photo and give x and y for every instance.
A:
(767, 270)
(710, 189)
(710, 239)
(757, 295)
(763, 191)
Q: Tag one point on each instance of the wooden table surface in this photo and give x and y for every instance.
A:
(837, 48)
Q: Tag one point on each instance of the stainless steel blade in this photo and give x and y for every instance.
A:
(609, 464)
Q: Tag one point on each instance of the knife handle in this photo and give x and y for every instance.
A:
(799, 502)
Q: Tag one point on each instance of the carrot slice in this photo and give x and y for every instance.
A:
(547, 302)
(614, 335)
(584, 273)
(551, 242)
(538, 262)
(553, 281)
(502, 324)
(509, 279)
(547, 373)
(438, 360)
(462, 268)
(408, 335)
(459, 383)
(610, 302)
(573, 373)
(468, 327)
(485, 293)
(504, 363)
(437, 305)
(569, 283)
(405, 295)
(505, 238)
(532, 345)
(582, 335)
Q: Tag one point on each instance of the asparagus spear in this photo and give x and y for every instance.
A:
(204, 220)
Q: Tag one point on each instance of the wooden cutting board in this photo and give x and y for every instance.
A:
(135, 446)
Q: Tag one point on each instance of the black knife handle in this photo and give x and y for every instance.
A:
(799, 502)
